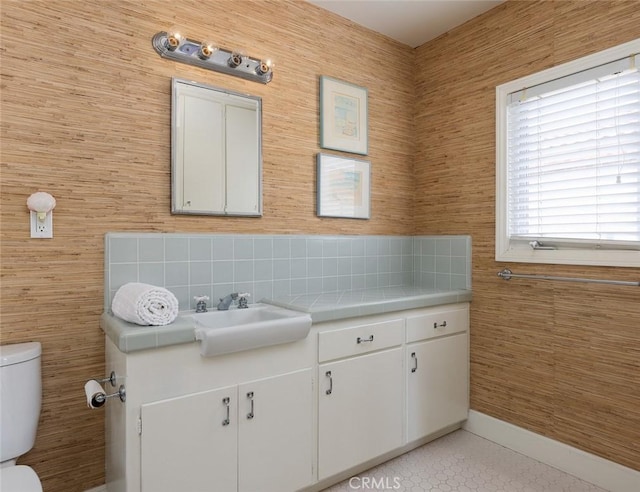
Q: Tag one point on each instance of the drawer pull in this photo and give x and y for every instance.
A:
(330, 390)
(436, 325)
(250, 396)
(415, 362)
(225, 402)
(363, 340)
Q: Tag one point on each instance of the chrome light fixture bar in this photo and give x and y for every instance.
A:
(172, 45)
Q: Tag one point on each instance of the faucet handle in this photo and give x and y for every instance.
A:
(242, 300)
(201, 303)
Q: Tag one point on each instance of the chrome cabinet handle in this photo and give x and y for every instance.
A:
(330, 390)
(250, 396)
(436, 325)
(225, 402)
(415, 361)
(362, 340)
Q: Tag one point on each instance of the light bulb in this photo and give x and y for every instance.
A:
(235, 60)
(207, 48)
(264, 67)
(41, 203)
(174, 38)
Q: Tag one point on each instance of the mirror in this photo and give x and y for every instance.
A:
(216, 151)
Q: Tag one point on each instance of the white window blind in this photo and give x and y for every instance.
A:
(573, 158)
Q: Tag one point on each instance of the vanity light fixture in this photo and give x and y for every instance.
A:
(173, 45)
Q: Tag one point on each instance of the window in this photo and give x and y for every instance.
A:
(568, 162)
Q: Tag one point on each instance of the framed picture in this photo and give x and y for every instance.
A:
(343, 116)
(344, 187)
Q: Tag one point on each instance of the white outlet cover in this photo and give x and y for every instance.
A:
(42, 230)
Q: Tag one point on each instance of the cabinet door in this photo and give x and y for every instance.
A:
(275, 433)
(438, 384)
(189, 443)
(360, 410)
(243, 161)
(201, 164)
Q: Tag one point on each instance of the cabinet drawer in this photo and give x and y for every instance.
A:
(361, 339)
(437, 323)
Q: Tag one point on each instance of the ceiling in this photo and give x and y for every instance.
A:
(412, 22)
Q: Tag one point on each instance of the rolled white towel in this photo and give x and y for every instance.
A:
(145, 304)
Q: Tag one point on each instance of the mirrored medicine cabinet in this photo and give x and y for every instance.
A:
(216, 151)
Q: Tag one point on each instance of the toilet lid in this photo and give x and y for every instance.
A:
(19, 478)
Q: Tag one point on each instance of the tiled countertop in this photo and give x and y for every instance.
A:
(129, 337)
(349, 304)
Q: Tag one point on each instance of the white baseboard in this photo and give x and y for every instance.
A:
(101, 488)
(588, 467)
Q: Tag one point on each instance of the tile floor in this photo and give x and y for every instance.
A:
(464, 462)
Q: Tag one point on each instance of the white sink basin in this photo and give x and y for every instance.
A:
(260, 325)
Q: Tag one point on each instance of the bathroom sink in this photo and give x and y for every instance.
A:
(260, 325)
(233, 317)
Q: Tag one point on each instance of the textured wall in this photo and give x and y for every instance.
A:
(559, 359)
(86, 117)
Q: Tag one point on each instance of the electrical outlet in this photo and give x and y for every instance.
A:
(42, 229)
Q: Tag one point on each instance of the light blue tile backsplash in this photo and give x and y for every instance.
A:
(279, 265)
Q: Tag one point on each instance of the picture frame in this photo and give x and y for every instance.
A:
(343, 187)
(343, 116)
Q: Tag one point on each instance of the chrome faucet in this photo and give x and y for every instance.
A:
(201, 303)
(225, 302)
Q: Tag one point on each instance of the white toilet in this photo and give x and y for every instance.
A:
(20, 401)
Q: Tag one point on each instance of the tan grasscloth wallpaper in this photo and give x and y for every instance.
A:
(86, 116)
(560, 359)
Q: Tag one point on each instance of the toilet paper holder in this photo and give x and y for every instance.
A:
(100, 399)
(111, 379)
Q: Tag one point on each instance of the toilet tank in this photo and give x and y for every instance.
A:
(20, 398)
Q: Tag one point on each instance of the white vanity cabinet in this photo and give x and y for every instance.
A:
(297, 416)
(437, 354)
(239, 422)
(360, 394)
(249, 437)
